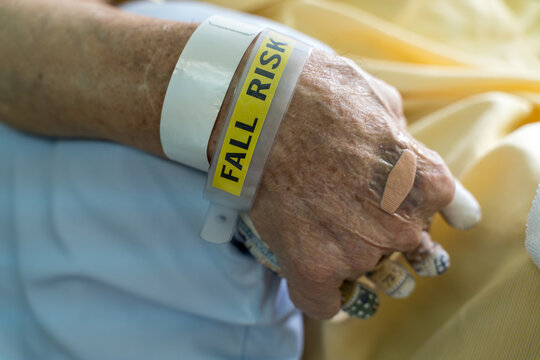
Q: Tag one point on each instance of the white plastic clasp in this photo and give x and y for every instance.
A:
(219, 224)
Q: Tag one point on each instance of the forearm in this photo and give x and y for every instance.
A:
(83, 69)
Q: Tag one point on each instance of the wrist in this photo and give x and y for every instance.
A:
(152, 52)
(227, 103)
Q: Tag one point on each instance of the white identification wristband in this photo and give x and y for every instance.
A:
(198, 86)
(260, 102)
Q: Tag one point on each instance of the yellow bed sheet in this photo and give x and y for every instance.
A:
(469, 73)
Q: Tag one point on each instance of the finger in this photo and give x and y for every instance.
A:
(463, 212)
(358, 300)
(318, 298)
(392, 279)
(316, 301)
(429, 258)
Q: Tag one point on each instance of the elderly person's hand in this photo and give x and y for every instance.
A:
(318, 205)
(81, 69)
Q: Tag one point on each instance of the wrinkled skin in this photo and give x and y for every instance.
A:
(318, 202)
(317, 205)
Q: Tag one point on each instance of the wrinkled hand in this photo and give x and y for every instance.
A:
(318, 203)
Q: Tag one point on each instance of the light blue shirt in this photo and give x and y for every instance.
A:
(100, 255)
(101, 259)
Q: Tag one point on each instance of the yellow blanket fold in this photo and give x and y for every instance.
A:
(469, 73)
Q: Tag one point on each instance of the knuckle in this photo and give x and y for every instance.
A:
(410, 238)
(314, 304)
(389, 95)
(362, 262)
(319, 275)
(446, 185)
(323, 312)
(435, 182)
(441, 186)
(372, 261)
(394, 96)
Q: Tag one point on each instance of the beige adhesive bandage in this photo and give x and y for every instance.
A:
(400, 182)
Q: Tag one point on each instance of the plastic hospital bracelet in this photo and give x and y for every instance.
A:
(198, 86)
(260, 103)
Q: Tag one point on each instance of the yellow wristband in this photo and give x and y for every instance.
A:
(260, 103)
